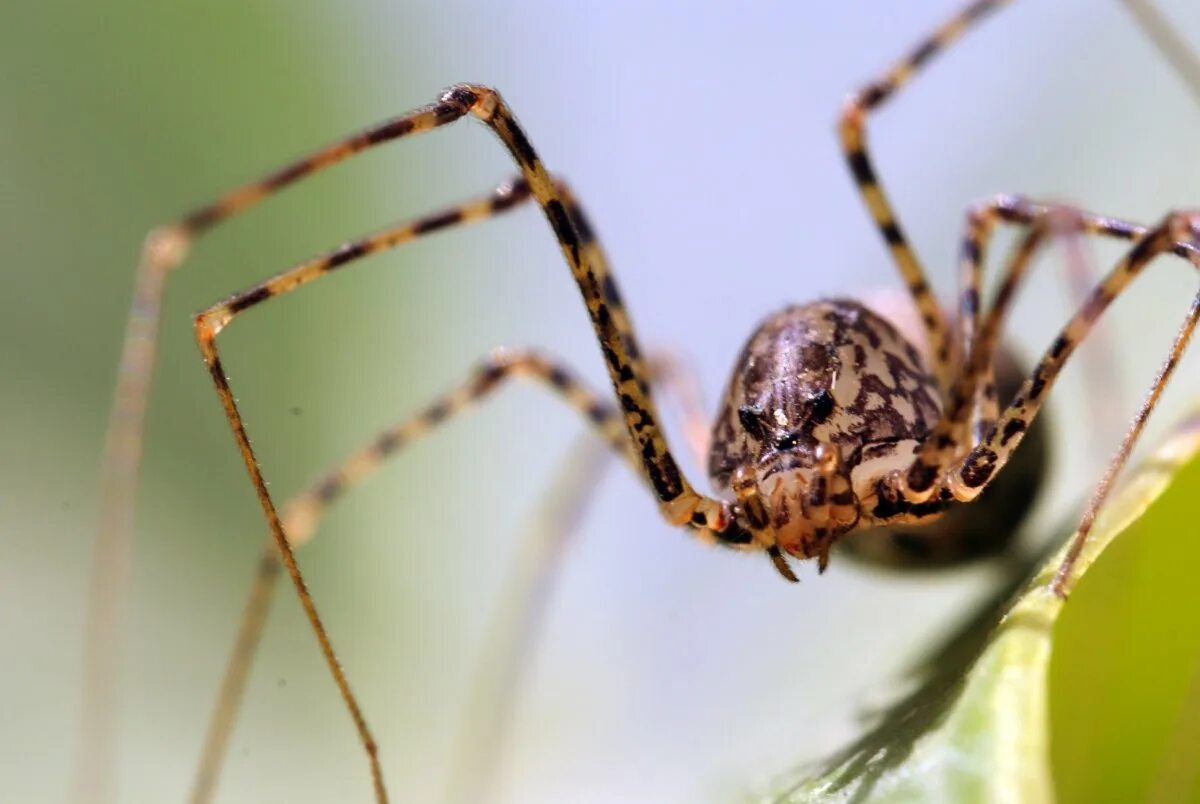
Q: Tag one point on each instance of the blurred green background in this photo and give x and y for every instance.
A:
(702, 142)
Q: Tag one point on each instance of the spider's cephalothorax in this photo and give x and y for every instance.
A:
(826, 399)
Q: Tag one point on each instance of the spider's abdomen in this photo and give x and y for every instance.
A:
(829, 372)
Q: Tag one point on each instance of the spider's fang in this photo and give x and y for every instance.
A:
(781, 564)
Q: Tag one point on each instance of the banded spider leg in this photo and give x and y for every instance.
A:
(527, 591)
(1177, 233)
(970, 442)
(709, 518)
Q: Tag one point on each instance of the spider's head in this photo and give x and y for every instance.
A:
(795, 493)
(817, 388)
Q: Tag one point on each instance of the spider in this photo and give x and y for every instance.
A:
(834, 423)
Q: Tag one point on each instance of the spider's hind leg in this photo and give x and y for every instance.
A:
(852, 132)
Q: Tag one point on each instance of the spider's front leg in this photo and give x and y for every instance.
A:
(504, 198)
(962, 471)
(679, 501)
(707, 517)
(852, 132)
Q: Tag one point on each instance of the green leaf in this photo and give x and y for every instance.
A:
(978, 728)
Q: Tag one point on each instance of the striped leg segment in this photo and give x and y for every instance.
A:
(971, 405)
(164, 249)
(972, 398)
(965, 478)
(302, 514)
(851, 129)
(1064, 224)
(679, 502)
(1099, 370)
(1178, 232)
(852, 125)
(503, 198)
(1173, 48)
(1060, 585)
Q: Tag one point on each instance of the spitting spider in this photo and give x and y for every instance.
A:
(835, 421)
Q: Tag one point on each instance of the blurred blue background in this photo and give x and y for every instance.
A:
(702, 142)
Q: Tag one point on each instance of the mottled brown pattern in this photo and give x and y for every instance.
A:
(816, 388)
(794, 364)
(968, 532)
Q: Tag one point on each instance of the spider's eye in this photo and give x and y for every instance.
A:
(789, 441)
(822, 406)
(752, 421)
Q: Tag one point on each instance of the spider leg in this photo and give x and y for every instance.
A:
(302, 514)
(1099, 370)
(233, 680)
(678, 501)
(965, 478)
(852, 132)
(1160, 31)
(971, 404)
(1062, 577)
(164, 249)
(1066, 227)
(503, 198)
(517, 626)
(681, 387)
